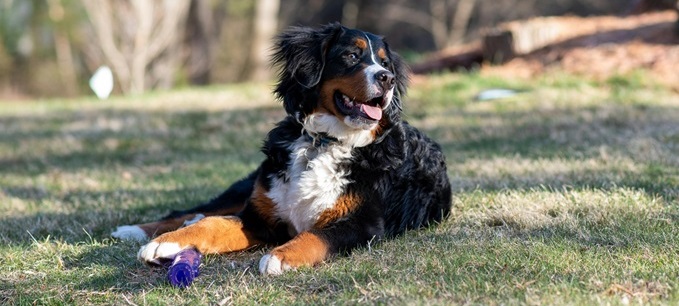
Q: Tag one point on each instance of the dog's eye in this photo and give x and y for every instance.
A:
(385, 64)
(352, 57)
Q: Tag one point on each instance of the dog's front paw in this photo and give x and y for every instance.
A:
(272, 265)
(306, 249)
(159, 252)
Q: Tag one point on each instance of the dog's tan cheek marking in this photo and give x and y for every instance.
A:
(327, 97)
(353, 86)
(306, 249)
(345, 204)
(212, 235)
(327, 103)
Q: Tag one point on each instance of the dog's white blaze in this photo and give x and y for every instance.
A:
(372, 53)
(314, 182)
(372, 70)
(370, 73)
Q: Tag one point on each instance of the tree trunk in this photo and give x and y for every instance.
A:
(350, 12)
(265, 27)
(63, 50)
(200, 38)
(460, 22)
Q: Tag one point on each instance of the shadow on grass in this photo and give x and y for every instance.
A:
(71, 141)
(175, 138)
(92, 271)
(644, 139)
(94, 215)
(116, 139)
(123, 272)
(88, 260)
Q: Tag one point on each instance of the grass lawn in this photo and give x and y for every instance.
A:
(567, 193)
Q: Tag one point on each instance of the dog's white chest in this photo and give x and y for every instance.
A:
(313, 182)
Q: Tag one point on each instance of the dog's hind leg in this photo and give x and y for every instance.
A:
(230, 202)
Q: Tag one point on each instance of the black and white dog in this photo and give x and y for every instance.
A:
(340, 170)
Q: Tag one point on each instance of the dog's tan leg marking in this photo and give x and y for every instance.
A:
(307, 249)
(344, 205)
(209, 235)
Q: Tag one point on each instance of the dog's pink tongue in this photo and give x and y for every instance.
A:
(374, 112)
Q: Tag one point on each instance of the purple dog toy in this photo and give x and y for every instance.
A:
(184, 268)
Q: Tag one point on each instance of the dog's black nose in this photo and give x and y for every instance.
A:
(386, 79)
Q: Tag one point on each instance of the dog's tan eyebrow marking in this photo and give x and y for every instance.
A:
(382, 53)
(361, 43)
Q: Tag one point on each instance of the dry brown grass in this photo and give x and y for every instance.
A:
(567, 193)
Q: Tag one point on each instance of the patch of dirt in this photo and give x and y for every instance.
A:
(607, 46)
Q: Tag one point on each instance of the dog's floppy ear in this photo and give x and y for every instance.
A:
(299, 54)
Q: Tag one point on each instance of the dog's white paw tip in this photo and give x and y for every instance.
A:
(272, 265)
(130, 232)
(155, 252)
(147, 251)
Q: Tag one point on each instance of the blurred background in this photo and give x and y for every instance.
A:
(51, 48)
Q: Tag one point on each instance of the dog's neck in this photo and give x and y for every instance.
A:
(323, 125)
(320, 139)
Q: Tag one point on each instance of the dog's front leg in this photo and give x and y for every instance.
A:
(306, 249)
(209, 235)
(314, 246)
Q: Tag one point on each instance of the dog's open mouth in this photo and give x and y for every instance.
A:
(371, 109)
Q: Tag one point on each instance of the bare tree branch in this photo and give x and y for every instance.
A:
(409, 15)
(99, 13)
(438, 11)
(133, 35)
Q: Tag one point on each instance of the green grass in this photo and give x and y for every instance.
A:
(567, 193)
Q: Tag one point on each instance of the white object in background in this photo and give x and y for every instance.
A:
(102, 82)
(495, 93)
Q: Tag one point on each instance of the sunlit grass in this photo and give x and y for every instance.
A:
(566, 193)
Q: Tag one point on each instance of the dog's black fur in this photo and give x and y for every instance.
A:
(397, 181)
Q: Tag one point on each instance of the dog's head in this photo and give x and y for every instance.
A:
(342, 82)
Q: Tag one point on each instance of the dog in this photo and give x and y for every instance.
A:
(342, 169)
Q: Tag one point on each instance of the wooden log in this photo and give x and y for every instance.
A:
(504, 42)
(498, 46)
